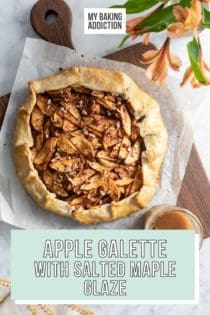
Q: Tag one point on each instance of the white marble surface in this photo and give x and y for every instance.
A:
(14, 27)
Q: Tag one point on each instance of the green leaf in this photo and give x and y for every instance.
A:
(157, 21)
(193, 48)
(206, 18)
(125, 38)
(136, 6)
(160, 19)
(185, 3)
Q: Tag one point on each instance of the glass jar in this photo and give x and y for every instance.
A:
(157, 212)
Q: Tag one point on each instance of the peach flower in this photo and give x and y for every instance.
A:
(130, 29)
(159, 61)
(190, 76)
(186, 19)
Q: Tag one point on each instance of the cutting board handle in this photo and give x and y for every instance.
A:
(57, 29)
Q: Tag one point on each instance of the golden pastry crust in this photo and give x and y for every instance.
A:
(151, 129)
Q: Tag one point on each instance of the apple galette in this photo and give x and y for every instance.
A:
(89, 144)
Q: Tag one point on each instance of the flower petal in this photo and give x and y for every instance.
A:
(176, 29)
(174, 61)
(180, 13)
(206, 73)
(194, 83)
(150, 56)
(205, 64)
(157, 71)
(188, 74)
(146, 39)
(195, 15)
(131, 24)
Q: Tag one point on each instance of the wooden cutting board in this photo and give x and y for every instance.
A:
(195, 190)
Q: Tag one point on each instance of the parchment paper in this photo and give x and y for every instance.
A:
(41, 59)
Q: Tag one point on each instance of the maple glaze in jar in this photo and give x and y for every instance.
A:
(166, 217)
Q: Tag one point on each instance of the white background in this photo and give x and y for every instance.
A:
(14, 27)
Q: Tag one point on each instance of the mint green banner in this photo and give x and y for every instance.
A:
(126, 265)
